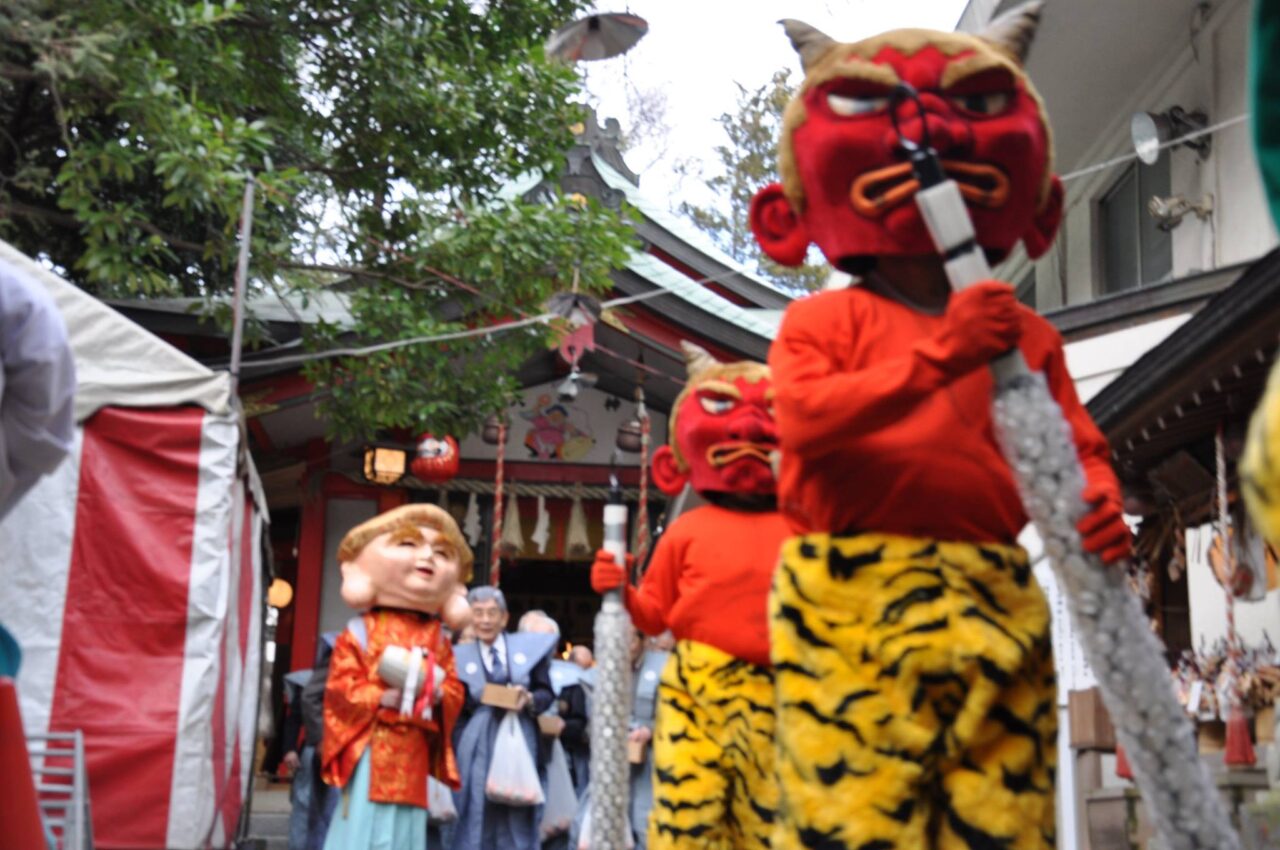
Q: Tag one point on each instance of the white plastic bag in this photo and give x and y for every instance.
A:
(584, 834)
(562, 800)
(513, 777)
(440, 806)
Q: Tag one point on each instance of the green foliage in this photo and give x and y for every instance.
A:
(749, 161)
(379, 133)
(452, 386)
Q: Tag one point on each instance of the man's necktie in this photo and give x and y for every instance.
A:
(496, 670)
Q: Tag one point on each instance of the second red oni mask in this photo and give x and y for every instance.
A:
(722, 430)
(846, 185)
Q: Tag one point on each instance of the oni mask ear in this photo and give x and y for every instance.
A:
(1040, 236)
(667, 473)
(357, 589)
(777, 228)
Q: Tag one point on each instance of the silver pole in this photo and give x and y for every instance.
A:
(611, 705)
(242, 273)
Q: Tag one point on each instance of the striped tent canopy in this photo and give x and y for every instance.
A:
(132, 579)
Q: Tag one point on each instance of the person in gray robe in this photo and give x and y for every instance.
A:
(518, 659)
(563, 674)
(575, 709)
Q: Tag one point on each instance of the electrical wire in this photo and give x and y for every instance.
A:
(527, 320)
(489, 330)
(1120, 160)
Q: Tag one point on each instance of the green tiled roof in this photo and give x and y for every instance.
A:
(676, 226)
(760, 322)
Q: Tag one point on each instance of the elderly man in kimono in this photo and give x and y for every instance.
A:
(522, 661)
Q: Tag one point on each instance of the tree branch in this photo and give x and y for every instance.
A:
(14, 72)
(355, 271)
(13, 209)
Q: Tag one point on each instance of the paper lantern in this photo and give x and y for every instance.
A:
(436, 458)
(384, 464)
(630, 436)
(280, 594)
(492, 431)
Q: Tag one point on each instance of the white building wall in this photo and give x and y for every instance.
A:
(341, 515)
(1208, 74)
(1245, 230)
(1255, 621)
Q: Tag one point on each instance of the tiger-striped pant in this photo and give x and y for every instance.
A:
(915, 696)
(714, 785)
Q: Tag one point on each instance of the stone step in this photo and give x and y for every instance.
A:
(269, 819)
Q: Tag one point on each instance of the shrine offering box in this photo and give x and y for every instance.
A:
(500, 696)
(1090, 724)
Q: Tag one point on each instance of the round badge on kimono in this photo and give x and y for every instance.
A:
(519, 658)
(471, 668)
(649, 675)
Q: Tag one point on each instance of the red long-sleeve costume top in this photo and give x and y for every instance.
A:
(404, 750)
(709, 580)
(878, 435)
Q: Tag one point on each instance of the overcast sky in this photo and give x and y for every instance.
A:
(695, 52)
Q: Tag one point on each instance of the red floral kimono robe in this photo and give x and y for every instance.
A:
(405, 750)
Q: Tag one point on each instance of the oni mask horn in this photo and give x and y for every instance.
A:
(1014, 31)
(696, 358)
(810, 43)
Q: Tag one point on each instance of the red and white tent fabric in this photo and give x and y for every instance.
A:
(132, 578)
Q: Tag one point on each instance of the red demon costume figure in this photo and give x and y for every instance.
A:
(915, 683)
(393, 696)
(709, 583)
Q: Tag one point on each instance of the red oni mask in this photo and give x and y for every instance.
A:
(436, 458)
(846, 185)
(722, 430)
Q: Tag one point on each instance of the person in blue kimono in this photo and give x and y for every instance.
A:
(521, 660)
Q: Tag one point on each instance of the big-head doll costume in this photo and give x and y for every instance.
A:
(402, 568)
(708, 583)
(915, 684)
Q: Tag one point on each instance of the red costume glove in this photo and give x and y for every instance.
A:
(1103, 530)
(981, 322)
(607, 574)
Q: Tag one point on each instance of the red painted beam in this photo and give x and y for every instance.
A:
(647, 323)
(306, 600)
(336, 486)
(278, 389)
(392, 497)
(260, 436)
(552, 473)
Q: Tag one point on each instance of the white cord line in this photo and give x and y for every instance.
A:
(1120, 160)
(445, 337)
(617, 302)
